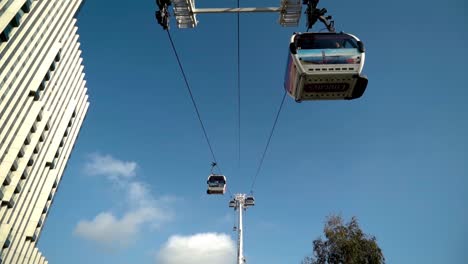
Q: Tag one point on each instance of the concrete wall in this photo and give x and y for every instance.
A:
(43, 102)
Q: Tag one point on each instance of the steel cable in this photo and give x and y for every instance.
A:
(192, 98)
(238, 90)
(268, 144)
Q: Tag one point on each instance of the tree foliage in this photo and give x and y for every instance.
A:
(345, 244)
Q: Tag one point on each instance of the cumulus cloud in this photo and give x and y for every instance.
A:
(106, 165)
(106, 229)
(206, 248)
(139, 194)
(144, 210)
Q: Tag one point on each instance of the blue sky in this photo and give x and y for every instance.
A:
(134, 188)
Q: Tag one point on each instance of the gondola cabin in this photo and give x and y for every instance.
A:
(232, 203)
(216, 184)
(325, 66)
(249, 201)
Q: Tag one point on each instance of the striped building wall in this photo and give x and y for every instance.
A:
(43, 102)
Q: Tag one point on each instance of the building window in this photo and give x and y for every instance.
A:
(36, 149)
(16, 19)
(7, 180)
(21, 152)
(7, 243)
(47, 76)
(5, 35)
(18, 188)
(14, 166)
(37, 95)
(25, 174)
(27, 140)
(27, 6)
(15, 22)
(34, 127)
(57, 57)
(39, 116)
(53, 66)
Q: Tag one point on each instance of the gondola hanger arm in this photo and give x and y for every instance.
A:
(315, 14)
(213, 165)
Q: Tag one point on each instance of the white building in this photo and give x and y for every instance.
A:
(43, 103)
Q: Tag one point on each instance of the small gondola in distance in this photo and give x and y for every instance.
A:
(249, 201)
(216, 184)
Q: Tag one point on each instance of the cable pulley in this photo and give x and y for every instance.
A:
(162, 15)
(313, 14)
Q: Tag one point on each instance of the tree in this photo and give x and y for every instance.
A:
(345, 244)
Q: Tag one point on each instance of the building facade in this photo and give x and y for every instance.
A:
(43, 102)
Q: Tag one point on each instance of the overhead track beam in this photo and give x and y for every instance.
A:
(185, 12)
(237, 10)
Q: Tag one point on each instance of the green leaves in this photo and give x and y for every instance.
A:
(345, 244)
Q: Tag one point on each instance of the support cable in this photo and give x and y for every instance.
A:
(268, 144)
(192, 98)
(238, 89)
(230, 193)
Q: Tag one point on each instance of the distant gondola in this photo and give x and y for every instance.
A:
(325, 66)
(249, 201)
(216, 184)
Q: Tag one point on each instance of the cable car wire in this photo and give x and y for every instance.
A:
(192, 98)
(238, 89)
(268, 144)
(214, 163)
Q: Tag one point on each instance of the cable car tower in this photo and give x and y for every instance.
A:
(240, 203)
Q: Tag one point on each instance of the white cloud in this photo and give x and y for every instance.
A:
(106, 229)
(106, 165)
(206, 248)
(143, 209)
(139, 194)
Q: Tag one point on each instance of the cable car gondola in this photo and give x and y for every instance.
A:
(325, 66)
(249, 201)
(216, 184)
